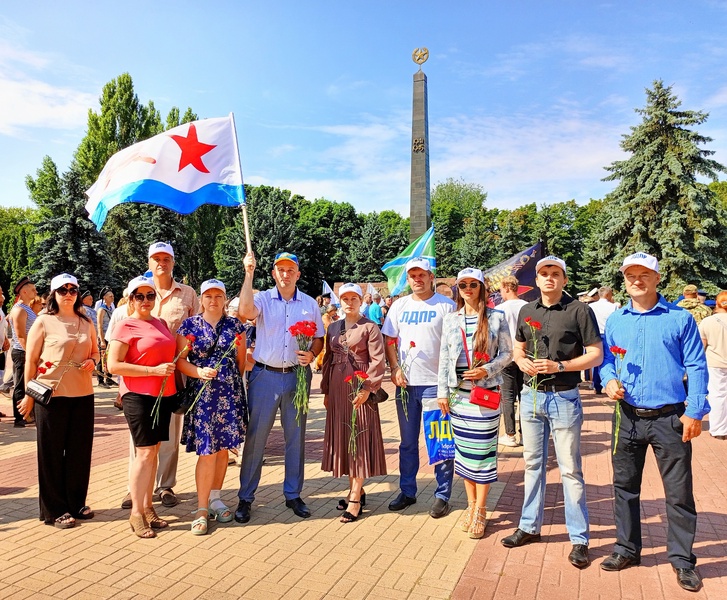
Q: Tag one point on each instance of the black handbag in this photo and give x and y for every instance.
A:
(40, 392)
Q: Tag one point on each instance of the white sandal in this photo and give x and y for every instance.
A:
(199, 525)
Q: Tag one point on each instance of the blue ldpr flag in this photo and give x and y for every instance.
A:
(395, 270)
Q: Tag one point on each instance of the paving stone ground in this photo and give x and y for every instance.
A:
(383, 555)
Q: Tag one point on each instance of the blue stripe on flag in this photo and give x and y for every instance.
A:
(151, 191)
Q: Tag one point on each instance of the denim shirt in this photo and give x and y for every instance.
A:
(499, 347)
(662, 344)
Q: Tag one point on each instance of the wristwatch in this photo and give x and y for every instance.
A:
(561, 367)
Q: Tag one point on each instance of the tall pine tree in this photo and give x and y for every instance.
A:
(67, 241)
(659, 206)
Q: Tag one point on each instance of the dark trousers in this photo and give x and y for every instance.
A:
(65, 440)
(597, 383)
(512, 383)
(674, 459)
(18, 357)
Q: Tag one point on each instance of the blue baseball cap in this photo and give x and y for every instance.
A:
(281, 256)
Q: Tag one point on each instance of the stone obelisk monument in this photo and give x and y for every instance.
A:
(420, 212)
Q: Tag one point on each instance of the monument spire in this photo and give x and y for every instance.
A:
(420, 214)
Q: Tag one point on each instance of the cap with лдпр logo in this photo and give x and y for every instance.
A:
(640, 259)
(161, 248)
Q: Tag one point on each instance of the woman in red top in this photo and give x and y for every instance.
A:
(142, 351)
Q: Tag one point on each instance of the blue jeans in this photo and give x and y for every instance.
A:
(269, 391)
(561, 414)
(409, 448)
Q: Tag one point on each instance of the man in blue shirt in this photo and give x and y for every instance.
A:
(662, 344)
(272, 382)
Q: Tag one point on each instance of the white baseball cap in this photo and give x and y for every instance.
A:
(642, 259)
(470, 273)
(418, 263)
(138, 282)
(161, 247)
(350, 287)
(550, 261)
(212, 284)
(63, 279)
(235, 302)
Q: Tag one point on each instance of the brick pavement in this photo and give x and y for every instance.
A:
(383, 555)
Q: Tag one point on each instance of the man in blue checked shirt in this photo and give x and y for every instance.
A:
(662, 344)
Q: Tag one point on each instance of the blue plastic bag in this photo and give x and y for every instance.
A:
(437, 432)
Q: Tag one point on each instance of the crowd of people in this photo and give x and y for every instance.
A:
(192, 374)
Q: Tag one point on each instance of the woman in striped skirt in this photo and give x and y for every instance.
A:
(476, 347)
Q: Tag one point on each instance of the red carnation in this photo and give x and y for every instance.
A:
(535, 325)
(412, 344)
(49, 364)
(348, 379)
(361, 374)
(528, 319)
(391, 342)
(190, 338)
(482, 356)
(42, 370)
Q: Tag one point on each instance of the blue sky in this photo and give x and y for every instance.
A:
(527, 99)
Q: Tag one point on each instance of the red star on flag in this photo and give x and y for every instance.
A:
(192, 150)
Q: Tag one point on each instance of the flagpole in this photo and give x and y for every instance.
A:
(245, 223)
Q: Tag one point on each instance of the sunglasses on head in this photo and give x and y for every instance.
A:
(463, 285)
(141, 297)
(73, 291)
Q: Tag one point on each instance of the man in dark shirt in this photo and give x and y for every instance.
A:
(557, 337)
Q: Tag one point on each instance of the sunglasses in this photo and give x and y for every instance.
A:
(141, 297)
(471, 285)
(73, 291)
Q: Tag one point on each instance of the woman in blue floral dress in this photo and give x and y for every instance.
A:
(216, 422)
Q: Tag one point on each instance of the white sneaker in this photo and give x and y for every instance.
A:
(507, 440)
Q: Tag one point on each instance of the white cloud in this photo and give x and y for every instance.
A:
(29, 99)
(540, 158)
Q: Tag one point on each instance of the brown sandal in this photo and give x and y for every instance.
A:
(477, 528)
(153, 519)
(466, 520)
(140, 527)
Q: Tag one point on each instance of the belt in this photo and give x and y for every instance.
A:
(275, 369)
(554, 387)
(654, 412)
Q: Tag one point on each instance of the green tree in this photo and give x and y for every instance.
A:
(66, 240)
(325, 230)
(479, 238)
(659, 206)
(367, 250)
(17, 239)
(273, 215)
(556, 226)
(517, 230)
(453, 201)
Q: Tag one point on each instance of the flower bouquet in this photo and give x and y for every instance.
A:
(158, 402)
(357, 381)
(236, 343)
(405, 367)
(535, 327)
(619, 354)
(303, 332)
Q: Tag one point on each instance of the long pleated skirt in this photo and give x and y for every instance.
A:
(368, 458)
(475, 430)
